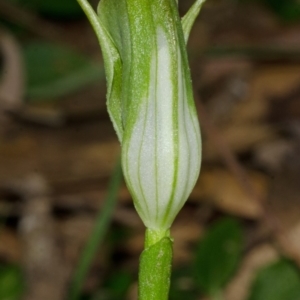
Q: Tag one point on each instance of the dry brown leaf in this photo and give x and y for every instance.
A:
(75, 232)
(275, 80)
(135, 244)
(218, 67)
(222, 190)
(240, 138)
(10, 248)
(18, 157)
(293, 236)
(12, 81)
(239, 286)
(132, 293)
(273, 154)
(64, 162)
(185, 233)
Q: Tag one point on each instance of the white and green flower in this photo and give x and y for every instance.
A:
(150, 101)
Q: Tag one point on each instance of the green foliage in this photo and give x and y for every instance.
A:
(118, 285)
(278, 281)
(183, 284)
(11, 283)
(288, 10)
(98, 233)
(54, 71)
(114, 288)
(218, 255)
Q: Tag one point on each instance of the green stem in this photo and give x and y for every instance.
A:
(155, 266)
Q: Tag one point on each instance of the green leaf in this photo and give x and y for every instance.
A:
(54, 71)
(183, 285)
(286, 10)
(279, 281)
(113, 67)
(218, 255)
(58, 8)
(11, 283)
(118, 284)
(97, 235)
(189, 19)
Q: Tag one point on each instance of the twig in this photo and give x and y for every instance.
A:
(45, 270)
(12, 82)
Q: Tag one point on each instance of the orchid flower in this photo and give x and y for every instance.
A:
(150, 102)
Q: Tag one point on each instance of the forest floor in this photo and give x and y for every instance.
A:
(57, 155)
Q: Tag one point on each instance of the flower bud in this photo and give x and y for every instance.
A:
(150, 101)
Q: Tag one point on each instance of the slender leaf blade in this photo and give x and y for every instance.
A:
(98, 233)
(113, 67)
(189, 18)
(278, 281)
(218, 255)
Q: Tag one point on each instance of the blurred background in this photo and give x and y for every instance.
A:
(68, 229)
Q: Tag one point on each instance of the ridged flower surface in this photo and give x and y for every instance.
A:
(150, 101)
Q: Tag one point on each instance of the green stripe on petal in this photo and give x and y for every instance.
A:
(161, 153)
(152, 105)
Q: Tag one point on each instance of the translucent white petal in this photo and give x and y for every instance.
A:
(161, 160)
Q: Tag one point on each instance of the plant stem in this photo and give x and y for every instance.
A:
(155, 266)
